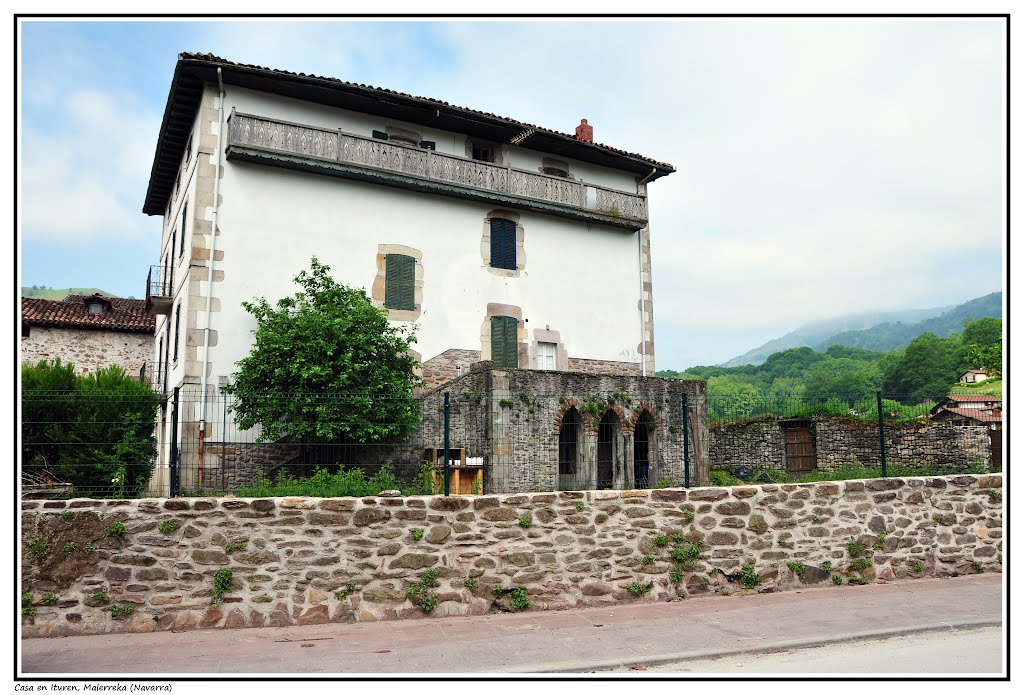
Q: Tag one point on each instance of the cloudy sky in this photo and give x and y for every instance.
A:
(825, 167)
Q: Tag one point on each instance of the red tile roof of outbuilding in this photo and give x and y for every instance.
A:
(124, 315)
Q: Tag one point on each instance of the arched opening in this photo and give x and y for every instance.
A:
(642, 450)
(569, 434)
(607, 431)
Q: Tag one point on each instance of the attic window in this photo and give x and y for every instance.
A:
(97, 307)
(555, 167)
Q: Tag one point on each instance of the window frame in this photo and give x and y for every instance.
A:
(184, 211)
(400, 298)
(504, 328)
(177, 333)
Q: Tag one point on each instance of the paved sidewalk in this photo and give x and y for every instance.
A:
(621, 635)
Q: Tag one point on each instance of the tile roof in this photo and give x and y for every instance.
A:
(972, 398)
(125, 315)
(975, 414)
(217, 59)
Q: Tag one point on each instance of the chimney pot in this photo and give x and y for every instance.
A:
(584, 132)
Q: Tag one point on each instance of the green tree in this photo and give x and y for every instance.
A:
(326, 364)
(927, 369)
(88, 430)
(732, 397)
(842, 378)
(985, 333)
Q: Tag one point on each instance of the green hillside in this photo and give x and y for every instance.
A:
(50, 293)
(893, 335)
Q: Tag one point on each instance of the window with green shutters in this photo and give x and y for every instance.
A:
(505, 342)
(503, 243)
(400, 282)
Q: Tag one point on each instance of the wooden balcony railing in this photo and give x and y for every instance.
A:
(318, 144)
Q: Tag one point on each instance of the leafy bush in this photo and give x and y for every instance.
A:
(323, 483)
(326, 339)
(95, 432)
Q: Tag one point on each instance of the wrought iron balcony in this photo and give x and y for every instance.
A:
(159, 290)
(296, 146)
(154, 375)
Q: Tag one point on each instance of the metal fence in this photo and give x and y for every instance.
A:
(118, 445)
(504, 445)
(845, 436)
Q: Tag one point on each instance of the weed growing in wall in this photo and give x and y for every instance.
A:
(826, 566)
(638, 589)
(688, 515)
(836, 579)
(879, 543)
(855, 548)
(917, 567)
(221, 584)
(661, 540)
(676, 575)
(470, 584)
(69, 547)
(67, 515)
(520, 598)
(49, 599)
(420, 594)
(526, 521)
(749, 577)
(344, 592)
(39, 549)
(26, 604)
(797, 568)
(122, 611)
(235, 545)
(117, 530)
(167, 527)
(100, 594)
(89, 548)
(417, 534)
(580, 506)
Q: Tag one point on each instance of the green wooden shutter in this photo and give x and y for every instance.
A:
(400, 282)
(505, 342)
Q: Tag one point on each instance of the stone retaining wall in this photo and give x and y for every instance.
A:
(299, 561)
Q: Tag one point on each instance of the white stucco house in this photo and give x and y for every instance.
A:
(500, 240)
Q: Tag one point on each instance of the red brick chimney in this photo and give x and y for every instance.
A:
(584, 132)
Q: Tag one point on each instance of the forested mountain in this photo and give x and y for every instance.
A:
(876, 330)
(925, 370)
(50, 293)
(892, 335)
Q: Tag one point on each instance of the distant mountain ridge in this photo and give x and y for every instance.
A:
(875, 330)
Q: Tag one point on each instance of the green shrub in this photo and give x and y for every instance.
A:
(69, 547)
(647, 561)
(719, 478)
(49, 599)
(855, 548)
(686, 555)
(221, 584)
(39, 549)
(836, 579)
(94, 432)
(470, 584)
(580, 506)
(417, 534)
(89, 548)
(826, 566)
(26, 604)
(520, 598)
(749, 577)
(917, 567)
(100, 594)
(67, 515)
(341, 483)
(860, 564)
(676, 575)
(664, 483)
(117, 530)
(796, 567)
(497, 592)
(638, 589)
(235, 545)
(661, 540)
(526, 521)
(122, 611)
(167, 527)
(689, 516)
(343, 593)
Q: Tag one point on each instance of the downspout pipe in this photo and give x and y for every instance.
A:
(643, 341)
(647, 178)
(209, 273)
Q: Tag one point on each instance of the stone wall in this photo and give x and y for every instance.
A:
(449, 365)
(844, 441)
(300, 561)
(583, 366)
(512, 418)
(88, 350)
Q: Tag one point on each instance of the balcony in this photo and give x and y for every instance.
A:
(333, 152)
(159, 290)
(154, 375)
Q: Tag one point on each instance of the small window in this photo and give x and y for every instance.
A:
(177, 330)
(555, 171)
(174, 242)
(25, 330)
(97, 308)
(505, 342)
(184, 218)
(428, 145)
(546, 356)
(400, 282)
(188, 149)
(503, 243)
(483, 153)
(380, 135)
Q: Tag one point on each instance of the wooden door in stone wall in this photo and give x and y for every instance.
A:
(996, 446)
(800, 452)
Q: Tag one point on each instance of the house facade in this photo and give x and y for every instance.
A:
(90, 332)
(973, 376)
(499, 240)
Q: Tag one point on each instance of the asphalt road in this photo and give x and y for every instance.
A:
(974, 651)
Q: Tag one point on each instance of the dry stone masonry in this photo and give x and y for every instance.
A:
(302, 561)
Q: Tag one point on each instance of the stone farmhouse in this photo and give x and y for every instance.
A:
(479, 229)
(89, 332)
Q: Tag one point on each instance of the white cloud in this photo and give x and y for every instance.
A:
(83, 179)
